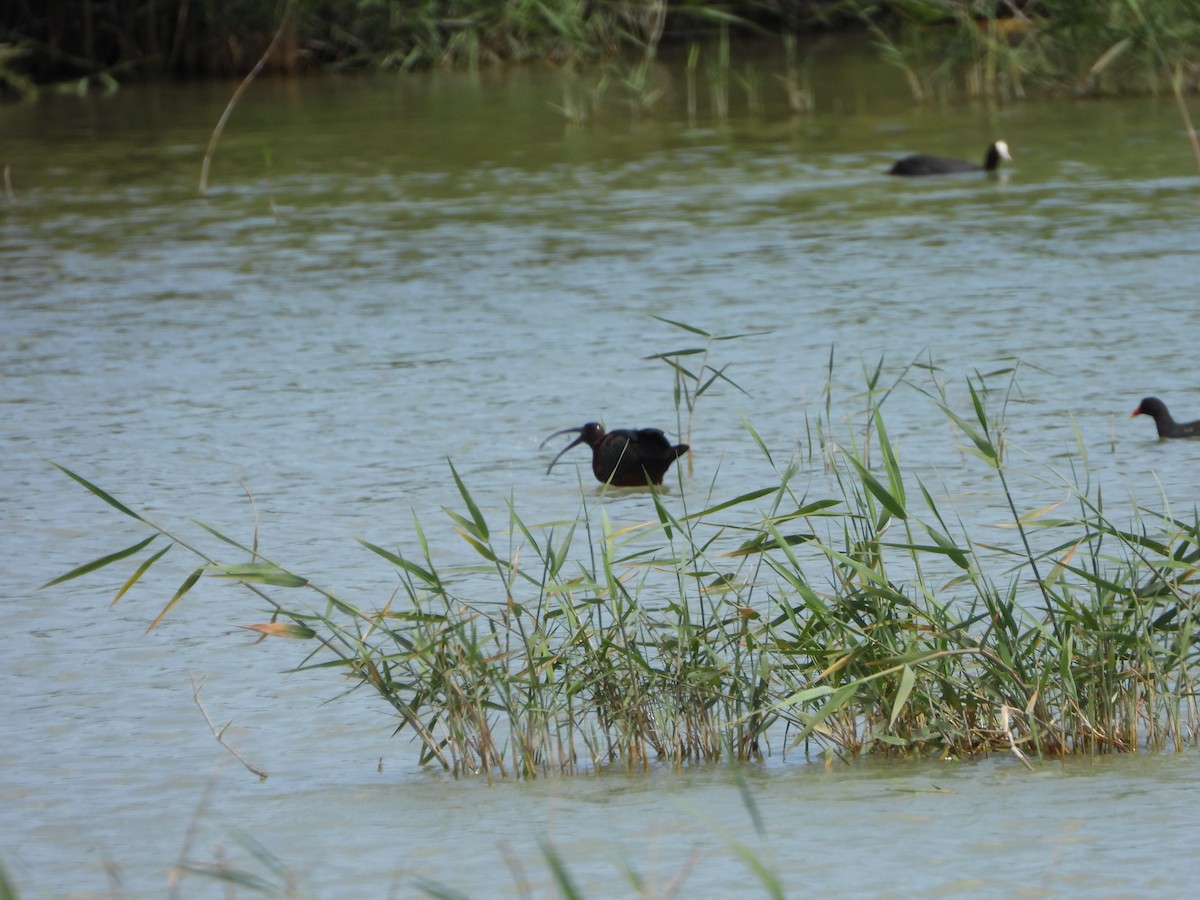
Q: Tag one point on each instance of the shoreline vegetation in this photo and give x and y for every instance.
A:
(996, 49)
(863, 620)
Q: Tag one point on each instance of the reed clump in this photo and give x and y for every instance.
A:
(982, 49)
(866, 621)
(80, 40)
(999, 50)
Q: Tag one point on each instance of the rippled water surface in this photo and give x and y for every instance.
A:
(387, 273)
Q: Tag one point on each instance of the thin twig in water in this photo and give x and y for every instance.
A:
(216, 135)
(8, 191)
(219, 734)
(1006, 724)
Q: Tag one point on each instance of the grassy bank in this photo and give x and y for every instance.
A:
(940, 45)
(864, 621)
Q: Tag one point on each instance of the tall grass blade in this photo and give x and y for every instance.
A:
(836, 702)
(7, 890)
(141, 570)
(260, 573)
(664, 517)
(748, 801)
(188, 584)
(228, 540)
(736, 501)
(762, 447)
(944, 546)
(908, 679)
(401, 563)
(566, 885)
(768, 879)
(291, 630)
(440, 891)
(683, 327)
(985, 446)
(481, 528)
(891, 503)
(895, 481)
(103, 495)
(99, 563)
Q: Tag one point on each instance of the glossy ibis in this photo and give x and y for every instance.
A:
(922, 164)
(624, 457)
(1167, 427)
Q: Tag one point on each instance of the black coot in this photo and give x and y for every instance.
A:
(923, 164)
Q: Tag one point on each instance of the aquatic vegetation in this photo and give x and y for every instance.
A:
(866, 621)
(942, 46)
(982, 50)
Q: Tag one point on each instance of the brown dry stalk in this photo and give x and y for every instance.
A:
(219, 733)
(237, 94)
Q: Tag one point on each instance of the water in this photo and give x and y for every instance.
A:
(388, 273)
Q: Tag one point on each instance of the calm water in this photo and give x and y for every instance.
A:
(390, 272)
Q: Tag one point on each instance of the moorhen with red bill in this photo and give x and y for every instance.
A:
(624, 457)
(1167, 427)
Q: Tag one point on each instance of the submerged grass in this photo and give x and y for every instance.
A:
(865, 621)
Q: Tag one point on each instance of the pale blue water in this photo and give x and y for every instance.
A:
(387, 273)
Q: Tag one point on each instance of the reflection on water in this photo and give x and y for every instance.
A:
(392, 272)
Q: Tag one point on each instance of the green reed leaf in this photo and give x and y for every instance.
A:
(837, 700)
(136, 576)
(736, 501)
(986, 449)
(290, 630)
(956, 556)
(980, 413)
(758, 440)
(260, 573)
(719, 374)
(762, 543)
(566, 885)
(1109, 56)
(481, 528)
(663, 516)
(892, 504)
(221, 537)
(671, 355)
(895, 481)
(103, 495)
(558, 557)
(908, 678)
(439, 891)
(481, 547)
(400, 562)
(188, 584)
(683, 327)
(99, 563)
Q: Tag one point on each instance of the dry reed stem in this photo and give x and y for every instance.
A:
(219, 734)
(241, 88)
(1006, 725)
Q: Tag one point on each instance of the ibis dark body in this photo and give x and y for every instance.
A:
(1166, 425)
(923, 164)
(624, 457)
